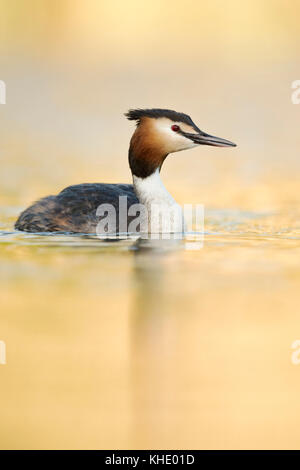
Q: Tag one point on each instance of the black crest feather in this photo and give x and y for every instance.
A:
(155, 113)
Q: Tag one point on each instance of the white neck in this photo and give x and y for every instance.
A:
(151, 190)
(153, 195)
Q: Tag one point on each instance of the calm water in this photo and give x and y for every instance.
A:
(134, 344)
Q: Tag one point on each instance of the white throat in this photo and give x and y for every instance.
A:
(151, 190)
(152, 193)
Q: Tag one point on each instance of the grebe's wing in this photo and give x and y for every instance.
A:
(74, 208)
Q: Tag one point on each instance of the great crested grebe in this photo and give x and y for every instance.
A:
(158, 133)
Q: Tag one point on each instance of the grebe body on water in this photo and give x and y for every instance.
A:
(159, 132)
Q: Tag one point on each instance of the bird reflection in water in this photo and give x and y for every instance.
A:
(153, 332)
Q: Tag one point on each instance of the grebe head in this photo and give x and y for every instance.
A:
(160, 132)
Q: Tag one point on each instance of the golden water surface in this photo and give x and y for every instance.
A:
(133, 344)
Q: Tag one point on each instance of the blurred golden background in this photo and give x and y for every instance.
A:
(114, 347)
(72, 68)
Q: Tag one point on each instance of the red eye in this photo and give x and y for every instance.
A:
(175, 128)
